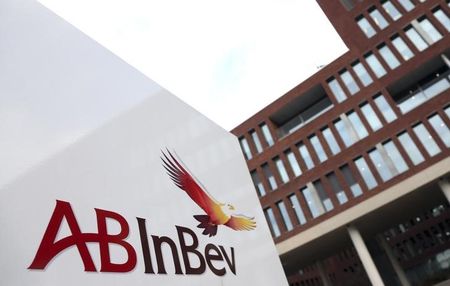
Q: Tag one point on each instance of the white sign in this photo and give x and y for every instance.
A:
(108, 179)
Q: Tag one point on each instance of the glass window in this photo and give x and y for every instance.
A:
(442, 18)
(298, 209)
(358, 126)
(267, 136)
(285, 215)
(416, 39)
(375, 65)
(365, 26)
(389, 57)
(313, 202)
(447, 111)
(362, 73)
(336, 89)
(329, 137)
(407, 4)
(272, 222)
(323, 195)
(378, 19)
(366, 173)
(349, 82)
(306, 156)
(431, 31)
(385, 109)
(340, 194)
(350, 180)
(245, 148)
(293, 163)
(281, 170)
(258, 184)
(371, 117)
(427, 141)
(318, 148)
(255, 138)
(402, 48)
(270, 177)
(343, 131)
(441, 129)
(391, 10)
(380, 165)
(395, 156)
(410, 148)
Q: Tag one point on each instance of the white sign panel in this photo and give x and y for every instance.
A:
(108, 179)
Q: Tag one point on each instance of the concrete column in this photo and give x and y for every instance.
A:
(364, 255)
(444, 184)
(394, 262)
(323, 276)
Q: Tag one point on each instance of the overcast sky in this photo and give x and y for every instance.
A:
(228, 59)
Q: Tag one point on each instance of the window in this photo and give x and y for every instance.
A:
(410, 148)
(427, 141)
(402, 48)
(391, 10)
(421, 86)
(380, 163)
(441, 129)
(326, 202)
(281, 170)
(340, 194)
(357, 124)
(385, 109)
(272, 222)
(430, 30)
(348, 4)
(362, 73)
(349, 82)
(298, 209)
(301, 110)
(285, 216)
(267, 136)
(407, 4)
(375, 65)
(255, 138)
(371, 116)
(378, 18)
(388, 57)
(329, 137)
(395, 156)
(344, 133)
(336, 89)
(270, 177)
(416, 39)
(442, 18)
(313, 202)
(350, 180)
(258, 184)
(366, 173)
(318, 148)
(365, 26)
(447, 111)
(305, 155)
(245, 148)
(293, 163)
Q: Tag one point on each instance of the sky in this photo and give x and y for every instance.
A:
(227, 59)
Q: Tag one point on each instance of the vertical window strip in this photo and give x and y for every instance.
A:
(285, 216)
(297, 209)
(426, 139)
(410, 148)
(272, 222)
(256, 141)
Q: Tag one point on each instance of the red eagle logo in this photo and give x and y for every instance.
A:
(216, 213)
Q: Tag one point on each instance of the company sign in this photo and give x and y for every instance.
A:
(106, 178)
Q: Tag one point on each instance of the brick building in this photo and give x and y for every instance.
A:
(352, 165)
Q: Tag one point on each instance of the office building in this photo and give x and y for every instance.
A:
(352, 165)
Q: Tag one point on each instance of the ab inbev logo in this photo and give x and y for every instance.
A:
(192, 253)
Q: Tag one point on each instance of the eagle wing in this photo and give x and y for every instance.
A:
(241, 222)
(184, 180)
